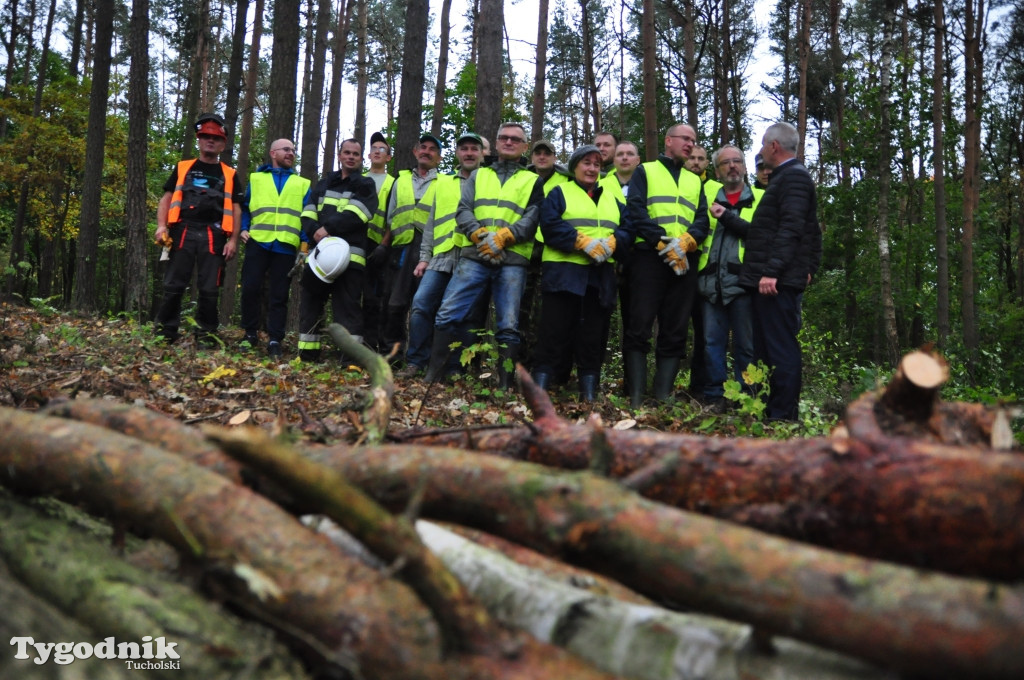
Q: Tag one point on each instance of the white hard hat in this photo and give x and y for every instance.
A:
(330, 258)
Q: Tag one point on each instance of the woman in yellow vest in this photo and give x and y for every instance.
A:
(582, 225)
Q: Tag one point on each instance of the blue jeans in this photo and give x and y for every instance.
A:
(421, 320)
(719, 319)
(471, 280)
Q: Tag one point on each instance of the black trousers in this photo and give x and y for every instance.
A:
(345, 308)
(199, 250)
(262, 265)
(401, 291)
(571, 325)
(656, 293)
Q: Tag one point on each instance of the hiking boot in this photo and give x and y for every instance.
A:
(410, 371)
(274, 349)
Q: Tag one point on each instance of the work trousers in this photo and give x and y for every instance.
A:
(263, 265)
(402, 289)
(571, 325)
(199, 250)
(656, 292)
(345, 308)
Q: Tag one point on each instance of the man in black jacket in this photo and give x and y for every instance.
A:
(783, 250)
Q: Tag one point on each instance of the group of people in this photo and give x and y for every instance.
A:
(412, 264)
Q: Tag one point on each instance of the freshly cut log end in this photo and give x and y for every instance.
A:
(914, 389)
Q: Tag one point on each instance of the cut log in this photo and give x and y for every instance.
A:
(362, 620)
(957, 509)
(27, 615)
(915, 622)
(82, 575)
(637, 640)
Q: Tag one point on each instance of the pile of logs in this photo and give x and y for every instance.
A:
(548, 550)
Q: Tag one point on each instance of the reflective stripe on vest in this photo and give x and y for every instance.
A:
(342, 202)
(498, 205)
(711, 190)
(596, 220)
(671, 205)
(273, 217)
(446, 206)
(227, 223)
(309, 341)
(375, 231)
(410, 214)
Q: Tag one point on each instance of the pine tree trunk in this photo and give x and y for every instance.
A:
(410, 102)
(442, 70)
(135, 299)
(283, 70)
(489, 67)
(539, 107)
(312, 125)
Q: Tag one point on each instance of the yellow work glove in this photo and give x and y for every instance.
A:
(504, 237)
(594, 248)
(479, 235)
(610, 241)
(689, 244)
(673, 252)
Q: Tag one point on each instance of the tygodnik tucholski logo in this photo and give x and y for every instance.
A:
(162, 657)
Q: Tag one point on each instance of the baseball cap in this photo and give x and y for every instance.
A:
(542, 143)
(758, 160)
(427, 137)
(471, 136)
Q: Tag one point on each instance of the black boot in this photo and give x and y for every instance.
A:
(541, 379)
(665, 371)
(589, 383)
(506, 355)
(636, 376)
(440, 353)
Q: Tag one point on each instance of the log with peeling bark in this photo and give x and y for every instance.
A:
(958, 509)
(635, 639)
(919, 623)
(357, 619)
(81, 574)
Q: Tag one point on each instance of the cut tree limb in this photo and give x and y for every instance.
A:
(637, 640)
(916, 622)
(958, 509)
(359, 616)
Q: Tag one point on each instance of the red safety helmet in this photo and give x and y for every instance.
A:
(210, 124)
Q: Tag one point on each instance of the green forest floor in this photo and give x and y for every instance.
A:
(45, 355)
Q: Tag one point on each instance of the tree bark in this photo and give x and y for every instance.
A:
(359, 618)
(892, 348)
(313, 105)
(410, 101)
(489, 68)
(135, 299)
(90, 582)
(85, 298)
(538, 108)
(652, 142)
(442, 71)
(283, 69)
(638, 640)
(951, 507)
(974, 13)
(804, 51)
(235, 85)
(873, 610)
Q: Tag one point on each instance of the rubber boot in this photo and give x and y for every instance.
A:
(507, 378)
(440, 353)
(588, 386)
(542, 379)
(636, 376)
(665, 371)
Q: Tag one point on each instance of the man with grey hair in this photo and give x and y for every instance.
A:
(726, 304)
(783, 251)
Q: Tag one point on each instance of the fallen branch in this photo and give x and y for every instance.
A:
(382, 387)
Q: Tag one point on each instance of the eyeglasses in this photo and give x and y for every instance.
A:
(378, 149)
(286, 149)
(730, 161)
(510, 138)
